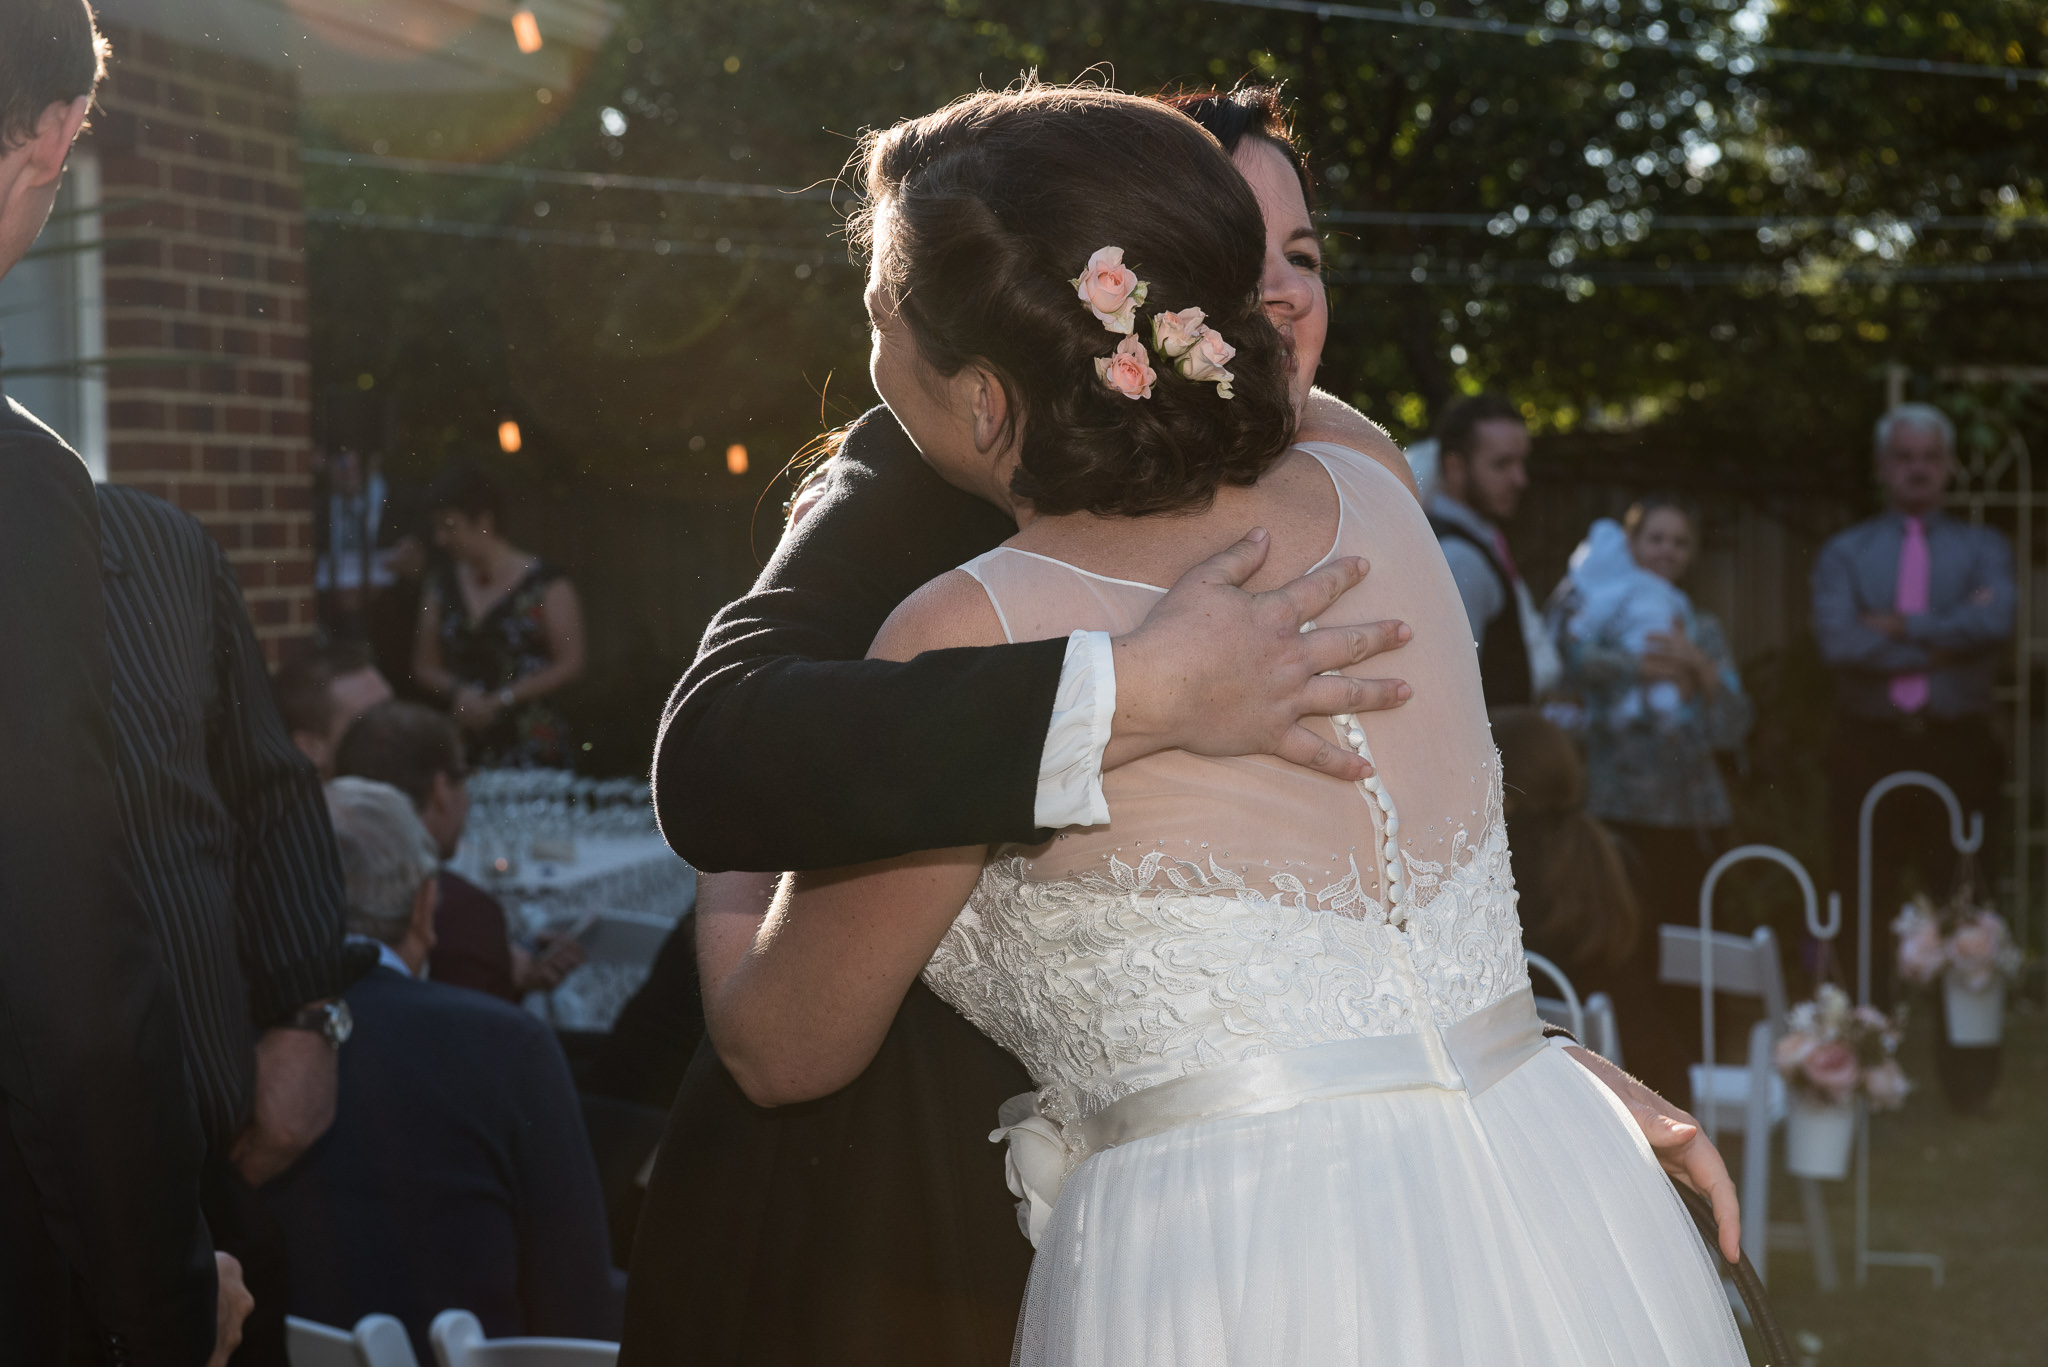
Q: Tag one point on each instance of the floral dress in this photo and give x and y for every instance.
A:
(507, 643)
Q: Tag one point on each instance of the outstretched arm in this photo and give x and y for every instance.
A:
(781, 748)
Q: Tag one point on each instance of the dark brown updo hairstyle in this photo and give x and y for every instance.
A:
(1578, 909)
(1250, 111)
(996, 202)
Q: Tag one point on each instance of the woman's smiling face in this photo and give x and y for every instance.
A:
(1662, 543)
(1291, 283)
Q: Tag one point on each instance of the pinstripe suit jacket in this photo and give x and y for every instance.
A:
(100, 1148)
(227, 831)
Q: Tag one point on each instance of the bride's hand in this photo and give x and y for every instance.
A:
(1218, 671)
(1681, 1146)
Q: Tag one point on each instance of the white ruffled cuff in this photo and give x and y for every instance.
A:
(1070, 767)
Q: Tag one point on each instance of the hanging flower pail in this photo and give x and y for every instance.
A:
(1818, 1138)
(1976, 1016)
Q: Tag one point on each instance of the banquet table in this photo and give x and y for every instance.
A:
(636, 888)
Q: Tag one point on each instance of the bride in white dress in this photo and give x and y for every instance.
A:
(1294, 1103)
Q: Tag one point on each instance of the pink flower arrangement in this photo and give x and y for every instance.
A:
(1970, 942)
(1113, 293)
(1831, 1051)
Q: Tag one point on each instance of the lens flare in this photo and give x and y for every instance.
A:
(508, 436)
(736, 459)
(526, 31)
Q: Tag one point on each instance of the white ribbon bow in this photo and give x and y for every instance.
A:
(1035, 1167)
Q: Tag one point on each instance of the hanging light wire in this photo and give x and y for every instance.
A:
(1614, 40)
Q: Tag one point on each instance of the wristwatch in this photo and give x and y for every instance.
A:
(332, 1021)
(506, 697)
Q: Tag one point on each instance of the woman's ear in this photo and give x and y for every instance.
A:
(991, 406)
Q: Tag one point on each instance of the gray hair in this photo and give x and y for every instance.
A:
(1918, 417)
(385, 855)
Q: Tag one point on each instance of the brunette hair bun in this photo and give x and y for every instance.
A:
(996, 202)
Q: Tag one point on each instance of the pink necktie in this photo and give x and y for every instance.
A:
(1909, 691)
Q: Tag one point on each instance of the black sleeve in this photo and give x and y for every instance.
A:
(288, 886)
(90, 1056)
(783, 749)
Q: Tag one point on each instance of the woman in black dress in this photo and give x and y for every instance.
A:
(500, 631)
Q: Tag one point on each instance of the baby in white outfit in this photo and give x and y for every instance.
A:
(1619, 603)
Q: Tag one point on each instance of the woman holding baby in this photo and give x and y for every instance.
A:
(1663, 701)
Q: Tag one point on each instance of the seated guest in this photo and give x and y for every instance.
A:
(321, 692)
(456, 1175)
(419, 752)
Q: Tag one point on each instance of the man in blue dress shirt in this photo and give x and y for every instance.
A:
(1911, 609)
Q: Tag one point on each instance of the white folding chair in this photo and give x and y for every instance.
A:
(1591, 1022)
(1604, 1029)
(1568, 1011)
(459, 1341)
(1747, 1098)
(376, 1341)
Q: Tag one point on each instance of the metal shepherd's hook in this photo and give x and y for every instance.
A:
(1905, 778)
(1727, 861)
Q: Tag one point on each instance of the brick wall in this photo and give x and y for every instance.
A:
(208, 394)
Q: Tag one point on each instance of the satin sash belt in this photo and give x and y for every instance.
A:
(1469, 1057)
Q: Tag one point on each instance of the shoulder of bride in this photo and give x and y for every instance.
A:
(950, 611)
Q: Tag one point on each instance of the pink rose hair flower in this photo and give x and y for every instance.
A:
(1128, 369)
(1174, 334)
(1205, 361)
(1111, 290)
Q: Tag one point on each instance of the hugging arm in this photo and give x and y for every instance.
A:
(781, 748)
(798, 1004)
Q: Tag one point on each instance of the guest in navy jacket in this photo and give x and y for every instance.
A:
(457, 1174)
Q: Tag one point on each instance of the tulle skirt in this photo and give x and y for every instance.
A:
(1527, 1227)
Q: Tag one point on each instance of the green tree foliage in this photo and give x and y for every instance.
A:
(1537, 213)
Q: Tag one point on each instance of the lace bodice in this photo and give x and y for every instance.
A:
(1239, 907)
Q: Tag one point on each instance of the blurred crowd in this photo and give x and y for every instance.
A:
(1620, 712)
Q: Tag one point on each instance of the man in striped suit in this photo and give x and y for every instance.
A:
(234, 858)
(104, 1255)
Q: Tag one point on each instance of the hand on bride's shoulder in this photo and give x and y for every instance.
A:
(1328, 418)
(952, 610)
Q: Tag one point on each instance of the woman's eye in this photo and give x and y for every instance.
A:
(1305, 261)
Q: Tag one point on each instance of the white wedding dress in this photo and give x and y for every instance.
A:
(1294, 1107)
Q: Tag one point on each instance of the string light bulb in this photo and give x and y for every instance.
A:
(526, 31)
(736, 459)
(509, 439)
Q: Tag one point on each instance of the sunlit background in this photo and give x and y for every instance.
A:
(594, 246)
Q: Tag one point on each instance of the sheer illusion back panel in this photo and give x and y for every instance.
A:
(1271, 823)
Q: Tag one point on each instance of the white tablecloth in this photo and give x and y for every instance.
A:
(637, 888)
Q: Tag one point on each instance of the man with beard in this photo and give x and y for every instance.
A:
(1484, 469)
